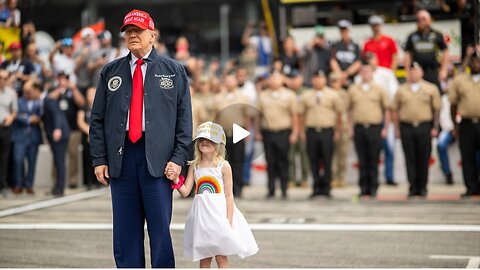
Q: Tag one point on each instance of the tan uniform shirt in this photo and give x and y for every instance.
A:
(320, 108)
(367, 107)
(199, 114)
(465, 93)
(232, 108)
(277, 108)
(416, 106)
(208, 102)
(344, 100)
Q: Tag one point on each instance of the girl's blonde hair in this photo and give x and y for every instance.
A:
(197, 155)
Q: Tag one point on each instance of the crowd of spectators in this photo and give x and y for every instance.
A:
(56, 92)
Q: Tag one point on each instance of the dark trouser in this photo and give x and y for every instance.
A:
(22, 150)
(431, 75)
(59, 150)
(137, 196)
(469, 147)
(5, 140)
(320, 149)
(417, 147)
(368, 143)
(89, 177)
(236, 158)
(276, 146)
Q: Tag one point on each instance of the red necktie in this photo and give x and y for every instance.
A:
(136, 105)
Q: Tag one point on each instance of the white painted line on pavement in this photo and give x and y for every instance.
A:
(263, 227)
(473, 261)
(53, 202)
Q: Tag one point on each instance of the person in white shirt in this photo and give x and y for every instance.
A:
(62, 60)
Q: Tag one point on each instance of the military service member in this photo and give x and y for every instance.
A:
(416, 109)
(320, 110)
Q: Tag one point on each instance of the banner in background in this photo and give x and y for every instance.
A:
(7, 36)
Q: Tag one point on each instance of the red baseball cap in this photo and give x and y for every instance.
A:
(138, 18)
(14, 46)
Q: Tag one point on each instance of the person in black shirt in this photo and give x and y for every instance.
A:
(290, 57)
(316, 55)
(346, 54)
(423, 46)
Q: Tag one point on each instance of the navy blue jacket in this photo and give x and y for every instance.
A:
(54, 118)
(168, 114)
(22, 130)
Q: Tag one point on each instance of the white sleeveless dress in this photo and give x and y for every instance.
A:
(207, 230)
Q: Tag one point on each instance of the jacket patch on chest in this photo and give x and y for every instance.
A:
(114, 83)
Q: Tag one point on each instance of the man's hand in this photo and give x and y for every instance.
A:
(442, 75)
(293, 138)
(34, 120)
(101, 172)
(57, 135)
(384, 133)
(434, 132)
(336, 136)
(172, 170)
(8, 121)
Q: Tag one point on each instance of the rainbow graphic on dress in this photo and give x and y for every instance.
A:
(208, 184)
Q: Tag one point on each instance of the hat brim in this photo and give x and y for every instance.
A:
(206, 137)
(137, 24)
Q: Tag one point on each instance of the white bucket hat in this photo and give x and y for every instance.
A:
(211, 131)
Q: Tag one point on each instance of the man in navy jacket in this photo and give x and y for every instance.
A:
(26, 137)
(141, 124)
(57, 131)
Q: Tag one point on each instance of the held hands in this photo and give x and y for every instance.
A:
(101, 172)
(434, 132)
(172, 171)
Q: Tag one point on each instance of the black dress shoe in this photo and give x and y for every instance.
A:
(449, 179)
(422, 194)
(391, 183)
(466, 195)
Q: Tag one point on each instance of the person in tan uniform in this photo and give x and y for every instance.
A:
(320, 113)
(340, 149)
(295, 83)
(199, 112)
(416, 109)
(232, 107)
(279, 128)
(464, 95)
(368, 107)
(205, 95)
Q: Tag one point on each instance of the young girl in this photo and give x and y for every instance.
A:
(214, 226)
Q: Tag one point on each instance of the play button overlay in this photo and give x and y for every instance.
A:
(239, 133)
(238, 122)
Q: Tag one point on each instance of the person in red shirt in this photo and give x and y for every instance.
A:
(383, 46)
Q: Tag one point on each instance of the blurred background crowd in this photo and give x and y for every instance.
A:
(301, 64)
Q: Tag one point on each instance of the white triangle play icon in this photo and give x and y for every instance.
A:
(239, 133)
